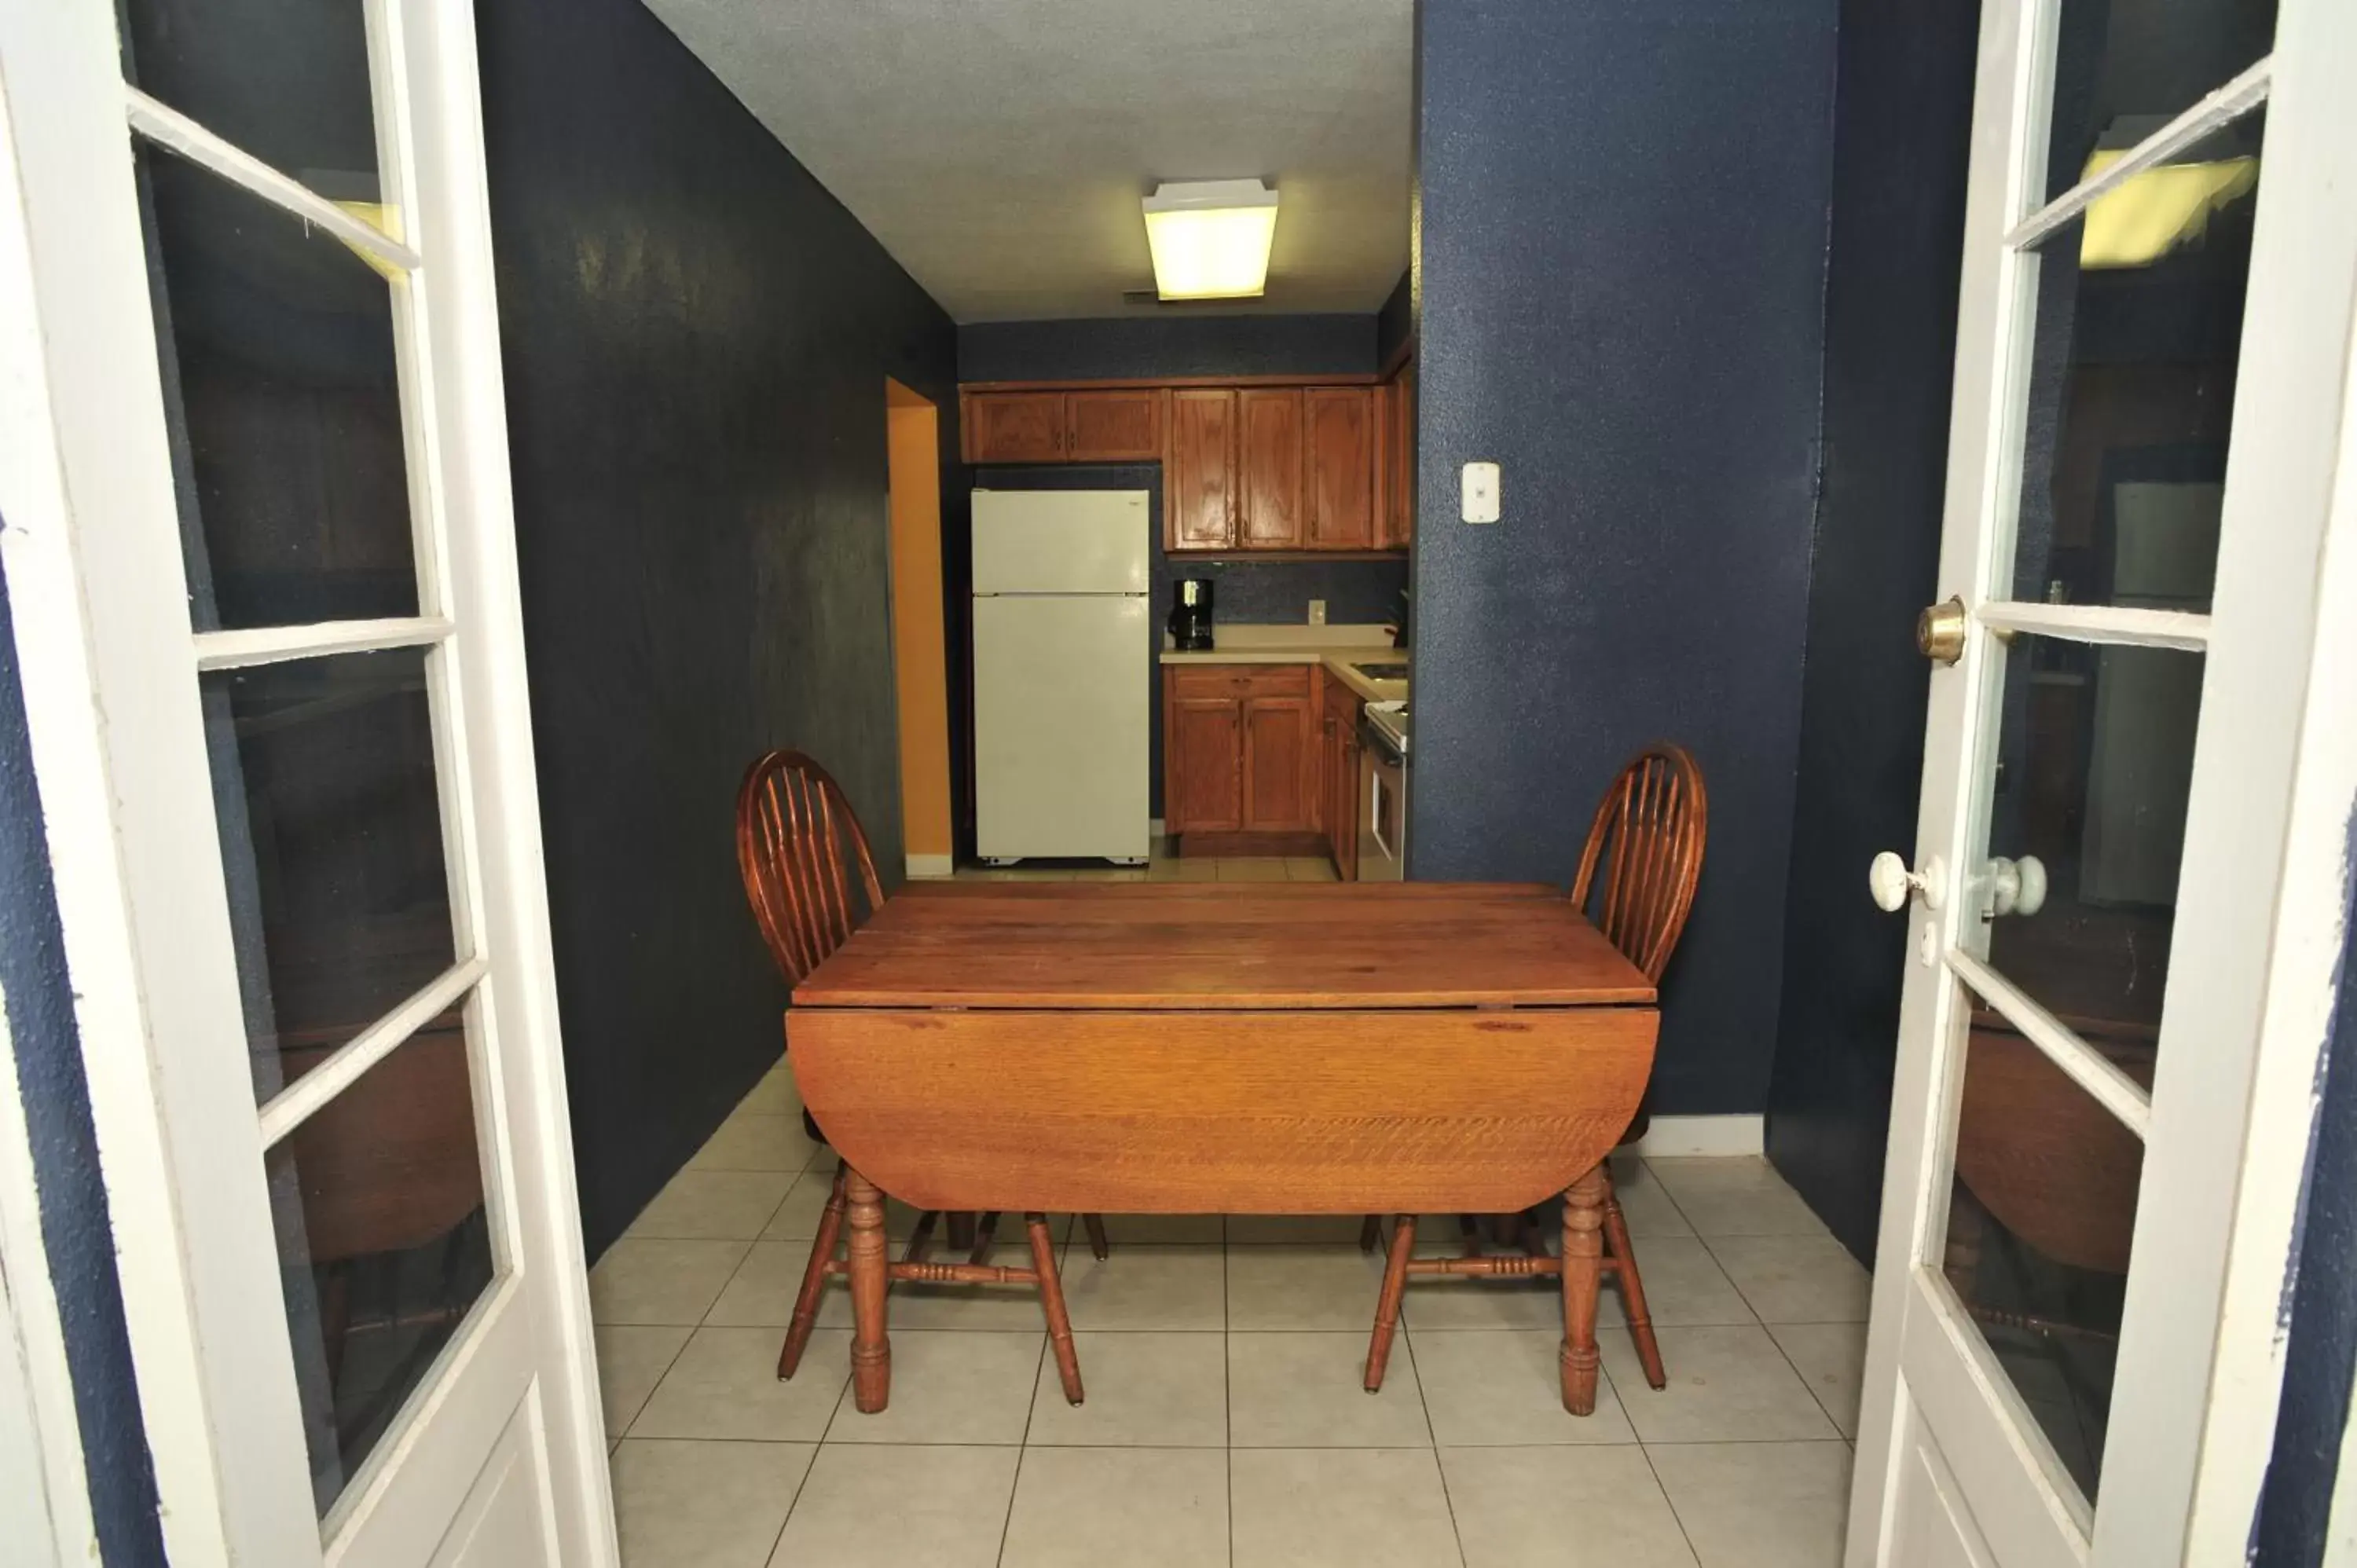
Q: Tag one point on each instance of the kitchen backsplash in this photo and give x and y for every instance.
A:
(1245, 592)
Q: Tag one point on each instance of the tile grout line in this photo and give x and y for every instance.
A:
(1227, 1397)
(1432, 1435)
(791, 1503)
(1667, 1501)
(1023, 1446)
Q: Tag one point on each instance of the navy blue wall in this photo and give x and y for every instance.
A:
(1183, 344)
(1396, 320)
(1619, 287)
(75, 1229)
(2321, 1356)
(1902, 124)
(697, 339)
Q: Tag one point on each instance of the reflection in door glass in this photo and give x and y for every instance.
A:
(331, 846)
(2040, 1221)
(286, 83)
(2123, 68)
(281, 385)
(2094, 769)
(384, 1242)
(2138, 326)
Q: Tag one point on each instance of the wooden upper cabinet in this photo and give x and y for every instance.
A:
(1199, 473)
(1113, 426)
(1270, 445)
(1265, 466)
(1014, 427)
(1341, 486)
(1397, 521)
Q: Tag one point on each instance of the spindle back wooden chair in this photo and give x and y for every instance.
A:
(795, 829)
(811, 880)
(1636, 881)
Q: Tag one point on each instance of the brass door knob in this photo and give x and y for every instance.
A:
(1939, 631)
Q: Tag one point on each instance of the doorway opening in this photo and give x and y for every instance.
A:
(920, 637)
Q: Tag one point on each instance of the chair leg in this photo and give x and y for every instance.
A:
(961, 1232)
(1051, 1302)
(1468, 1235)
(798, 1328)
(1387, 1305)
(1371, 1231)
(985, 1235)
(1097, 1245)
(920, 1237)
(1632, 1290)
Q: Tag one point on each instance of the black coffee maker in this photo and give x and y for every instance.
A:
(1190, 614)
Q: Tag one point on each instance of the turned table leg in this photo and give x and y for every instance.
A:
(1583, 1274)
(871, 1349)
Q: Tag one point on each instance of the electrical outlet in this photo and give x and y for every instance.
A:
(1318, 612)
(1480, 488)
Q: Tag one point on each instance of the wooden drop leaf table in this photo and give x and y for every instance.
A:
(1224, 1048)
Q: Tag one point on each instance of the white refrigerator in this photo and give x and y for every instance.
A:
(1062, 653)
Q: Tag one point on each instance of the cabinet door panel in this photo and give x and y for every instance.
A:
(1015, 427)
(1122, 426)
(1198, 475)
(1280, 764)
(1271, 423)
(1341, 423)
(1206, 765)
(1399, 459)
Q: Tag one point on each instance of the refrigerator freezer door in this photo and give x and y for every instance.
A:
(1060, 541)
(1059, 719)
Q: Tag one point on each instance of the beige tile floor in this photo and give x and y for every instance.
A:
(1224, 1424)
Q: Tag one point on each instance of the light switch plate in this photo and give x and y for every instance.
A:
(1481, 492)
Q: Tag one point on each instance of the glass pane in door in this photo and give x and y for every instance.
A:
(2040, 1221)
(331, 845)
(384, 1242)
(280, 377)
(2139, 327)
(2123, 68)
(2094, 769)
(289, 83)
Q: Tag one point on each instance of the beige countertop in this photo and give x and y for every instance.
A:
(1333, 647)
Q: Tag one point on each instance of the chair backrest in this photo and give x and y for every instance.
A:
(793, 821)
(1644, 855)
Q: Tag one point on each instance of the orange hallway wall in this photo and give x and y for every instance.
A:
(918, 652)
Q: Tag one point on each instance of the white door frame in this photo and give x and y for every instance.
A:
(109, 661)
(2263, 882)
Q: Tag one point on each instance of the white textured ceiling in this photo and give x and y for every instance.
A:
(998, 147)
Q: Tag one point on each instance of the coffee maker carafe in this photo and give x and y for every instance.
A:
(1190, 614)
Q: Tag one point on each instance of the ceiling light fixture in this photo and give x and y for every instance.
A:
(1211, 238)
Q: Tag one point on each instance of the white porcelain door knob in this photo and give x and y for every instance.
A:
(2016, 886)
(1890, 881)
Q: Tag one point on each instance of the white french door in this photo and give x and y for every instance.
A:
(2129, 861)
(261, 557)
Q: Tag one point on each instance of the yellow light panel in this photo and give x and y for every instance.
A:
(1211, 238)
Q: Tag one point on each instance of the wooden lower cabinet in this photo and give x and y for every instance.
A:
(1341, 781)
(1241, 750)
(1203, 767)
(1281, 770)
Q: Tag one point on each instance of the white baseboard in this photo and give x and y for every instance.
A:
(1154, 828)
(931, 864)
(1674, 1135)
